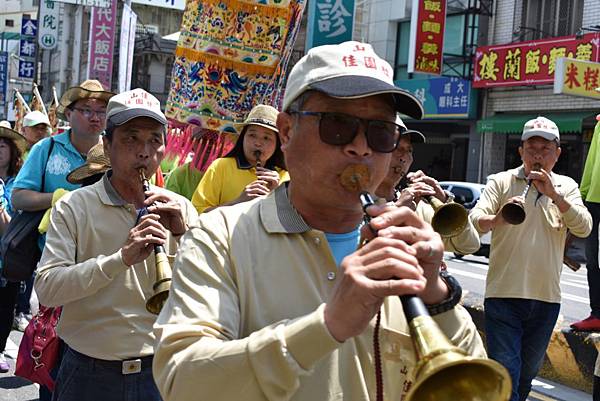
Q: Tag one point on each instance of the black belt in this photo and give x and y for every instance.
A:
(126, 367)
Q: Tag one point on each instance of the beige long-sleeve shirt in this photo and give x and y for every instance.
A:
(526, 259)
(244, 319)
(104, 314)
(465, 243)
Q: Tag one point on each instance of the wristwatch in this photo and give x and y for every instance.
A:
(453, 298)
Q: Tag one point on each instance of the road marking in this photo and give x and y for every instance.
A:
(466, 274)
(576, 298)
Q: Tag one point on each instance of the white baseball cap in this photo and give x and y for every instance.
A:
(34, 118)
(415, 136)
(349, 70)
(543, 127)
(132, 104)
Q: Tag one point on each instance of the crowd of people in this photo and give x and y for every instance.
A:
(284, 286)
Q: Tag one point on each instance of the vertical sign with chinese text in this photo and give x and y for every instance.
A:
(577, 78)
(425, 54)
(3, 76)
(532, 62)
(27, 48)
(102, 39)
(49, 17)
(329, 22)
(126, 45)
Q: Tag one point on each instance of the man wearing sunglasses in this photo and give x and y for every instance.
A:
(271, 299)
(419, 186)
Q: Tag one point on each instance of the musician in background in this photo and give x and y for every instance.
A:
(99, 264)
(522, 295)
(271, 300)
(253, 168)
(420, 185)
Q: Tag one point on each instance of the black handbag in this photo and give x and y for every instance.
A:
(19, 244)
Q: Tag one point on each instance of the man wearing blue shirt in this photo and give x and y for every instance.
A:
(85, 109)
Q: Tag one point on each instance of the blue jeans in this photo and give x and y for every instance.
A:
(517, 335)
(82, 378)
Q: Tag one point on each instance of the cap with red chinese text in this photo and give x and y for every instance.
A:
(132, 104)
(541, 126)
(349, 70)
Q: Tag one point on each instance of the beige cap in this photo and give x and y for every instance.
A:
(349, 70)
(131, 104)
(34, 118)
(541, 126)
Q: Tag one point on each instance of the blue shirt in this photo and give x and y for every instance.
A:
(6, 193)
(344, 244)
(62, 161)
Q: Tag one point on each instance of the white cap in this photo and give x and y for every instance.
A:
(414, 135)
(132, 104)
(541, 126)
(34, 118)
(349, 70)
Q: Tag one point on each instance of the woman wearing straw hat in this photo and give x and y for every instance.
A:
(12, 146)
(253, 168)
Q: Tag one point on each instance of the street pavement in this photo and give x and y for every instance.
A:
(470, 271)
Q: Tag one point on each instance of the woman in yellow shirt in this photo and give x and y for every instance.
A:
(253, 168)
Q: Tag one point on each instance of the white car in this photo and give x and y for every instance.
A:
(467, 194)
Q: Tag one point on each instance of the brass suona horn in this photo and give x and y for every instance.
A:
(449, 219)
(162, 285)
(445, 372)
(514, 213)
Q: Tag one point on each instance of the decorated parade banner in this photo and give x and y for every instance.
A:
(231, 56)
(329, 22)
(48, 27)
(532, 62)
(102, 38)
(443, 97)
(426, 48)
(27, 48)
(577, 78)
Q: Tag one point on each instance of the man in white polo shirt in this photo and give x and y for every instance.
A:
(522, 295)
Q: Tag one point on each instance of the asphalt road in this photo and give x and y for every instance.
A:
(471, 272)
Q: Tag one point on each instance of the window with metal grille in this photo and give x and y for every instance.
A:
(548, 18)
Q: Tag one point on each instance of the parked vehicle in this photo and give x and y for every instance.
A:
(467, 194)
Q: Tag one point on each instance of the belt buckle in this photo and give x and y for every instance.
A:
(132, 366)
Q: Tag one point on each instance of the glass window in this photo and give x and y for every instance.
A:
(547, 18)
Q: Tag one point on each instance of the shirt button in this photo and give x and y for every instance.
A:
(331, 276)
(317, 240)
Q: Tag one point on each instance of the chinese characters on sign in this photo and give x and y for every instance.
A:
(443, 97)
(3, 76)
(102, 38)
(49, 18)
(27, 48)
(425, 54)
(577, 78)
(532, 62)
(91, 3)
(330, 22)
(173, 4)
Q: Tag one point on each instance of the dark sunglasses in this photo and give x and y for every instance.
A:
(340, 129)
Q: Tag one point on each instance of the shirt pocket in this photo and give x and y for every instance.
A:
(553, 216)
(398, 360)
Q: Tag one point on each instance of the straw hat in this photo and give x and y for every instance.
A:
(263, 115)
(6, 131)
(89, 89)
(96, 163)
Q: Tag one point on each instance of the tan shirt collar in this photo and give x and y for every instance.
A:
(279, 216)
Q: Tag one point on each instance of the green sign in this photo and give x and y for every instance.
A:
(329, 22)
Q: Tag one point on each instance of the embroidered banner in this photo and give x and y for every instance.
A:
(231, 56)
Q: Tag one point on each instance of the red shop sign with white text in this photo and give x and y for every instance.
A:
(532, 62)
(427, 36)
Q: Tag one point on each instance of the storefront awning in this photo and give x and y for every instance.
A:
(513, 123)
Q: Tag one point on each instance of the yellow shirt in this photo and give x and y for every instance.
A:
(244, 319)
(104, 314)
(526, 259)
(223, 182)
